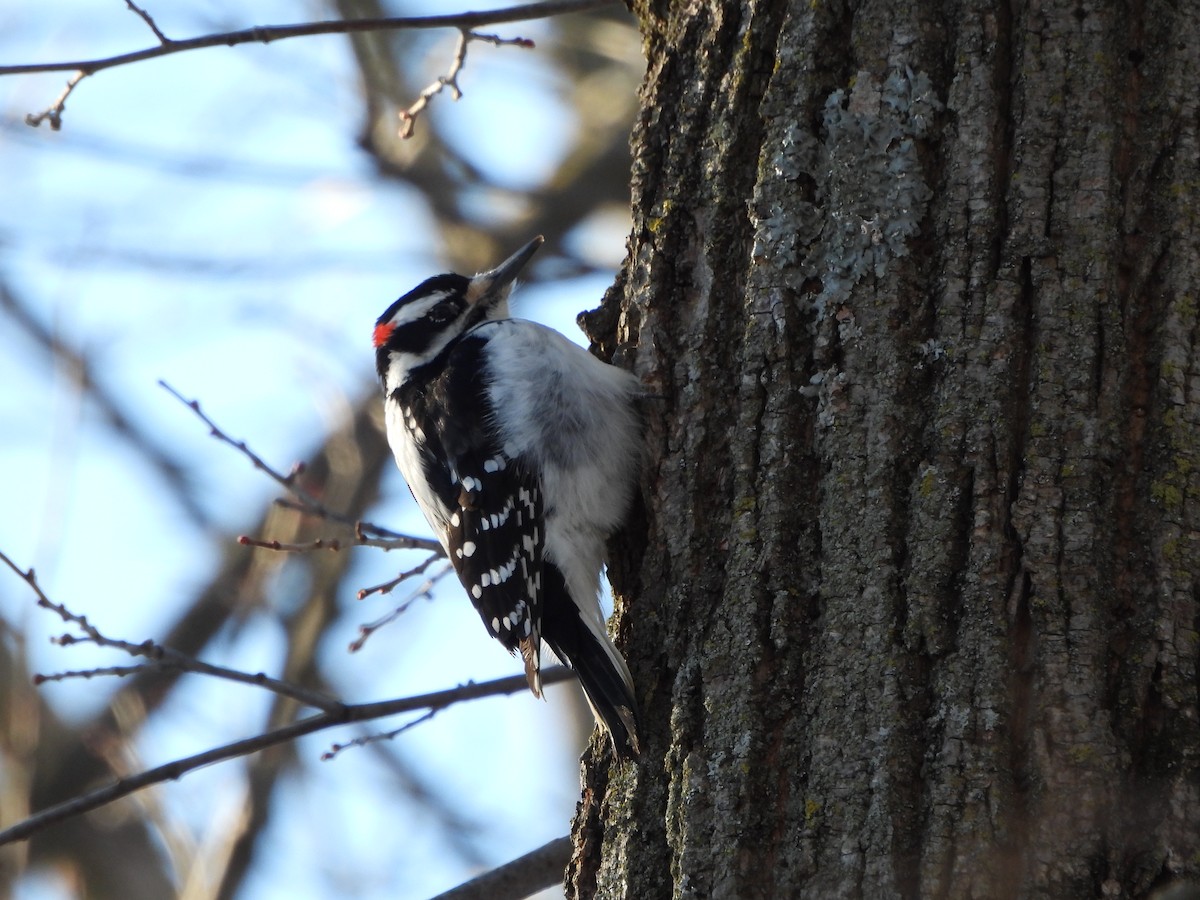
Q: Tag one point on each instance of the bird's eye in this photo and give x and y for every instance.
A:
(442, 314)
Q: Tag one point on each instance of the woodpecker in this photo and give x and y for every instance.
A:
(522, 450)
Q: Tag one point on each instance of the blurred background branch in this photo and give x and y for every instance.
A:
(233, 223)
(266, 34)
(102, 295)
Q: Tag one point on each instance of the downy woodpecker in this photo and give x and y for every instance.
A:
(522, 450)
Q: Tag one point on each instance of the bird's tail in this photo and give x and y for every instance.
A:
(602, 671)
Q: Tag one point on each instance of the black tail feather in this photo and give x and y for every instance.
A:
(603, 681)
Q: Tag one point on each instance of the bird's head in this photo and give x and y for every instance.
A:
(430, 317)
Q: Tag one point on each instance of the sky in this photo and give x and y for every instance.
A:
(208, 220)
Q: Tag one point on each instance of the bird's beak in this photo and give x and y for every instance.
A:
(493, 284)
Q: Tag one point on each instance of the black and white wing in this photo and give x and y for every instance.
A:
(493, 528)
(495, 542)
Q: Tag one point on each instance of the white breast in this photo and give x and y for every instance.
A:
(404, 437)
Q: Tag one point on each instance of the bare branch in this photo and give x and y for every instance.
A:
(523, 877)
(118, 671)
(360, 540)
(306, 502)
(343, 715)
(365, 631)
(287, 481)
(388, 586)
(53, 113)
(334, 711)
(162, 38)
(385, 537)
(307, 547)
(265, 34)
(364, 740)
(160, 657)
(408, 117)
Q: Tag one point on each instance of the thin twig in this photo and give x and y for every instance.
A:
(365, 631)
(388, 586)
(163, 658)
(307, 547)
(361, 527)
(385, 537)
(53, 113)
(162, 38)
(335, 544)
(305, 502)
(118, 671)
(308, 504)
(287, 481)
(343, 715)
(408, 117)
(364, 740)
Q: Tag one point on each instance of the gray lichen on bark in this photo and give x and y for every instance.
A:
(865, 174)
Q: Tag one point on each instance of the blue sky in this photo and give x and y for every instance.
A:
(208, 220)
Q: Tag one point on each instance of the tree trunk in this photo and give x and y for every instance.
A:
(912, 604)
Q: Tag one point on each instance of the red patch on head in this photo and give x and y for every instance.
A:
(383, 331)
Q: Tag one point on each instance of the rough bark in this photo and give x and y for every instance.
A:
(912, 603)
